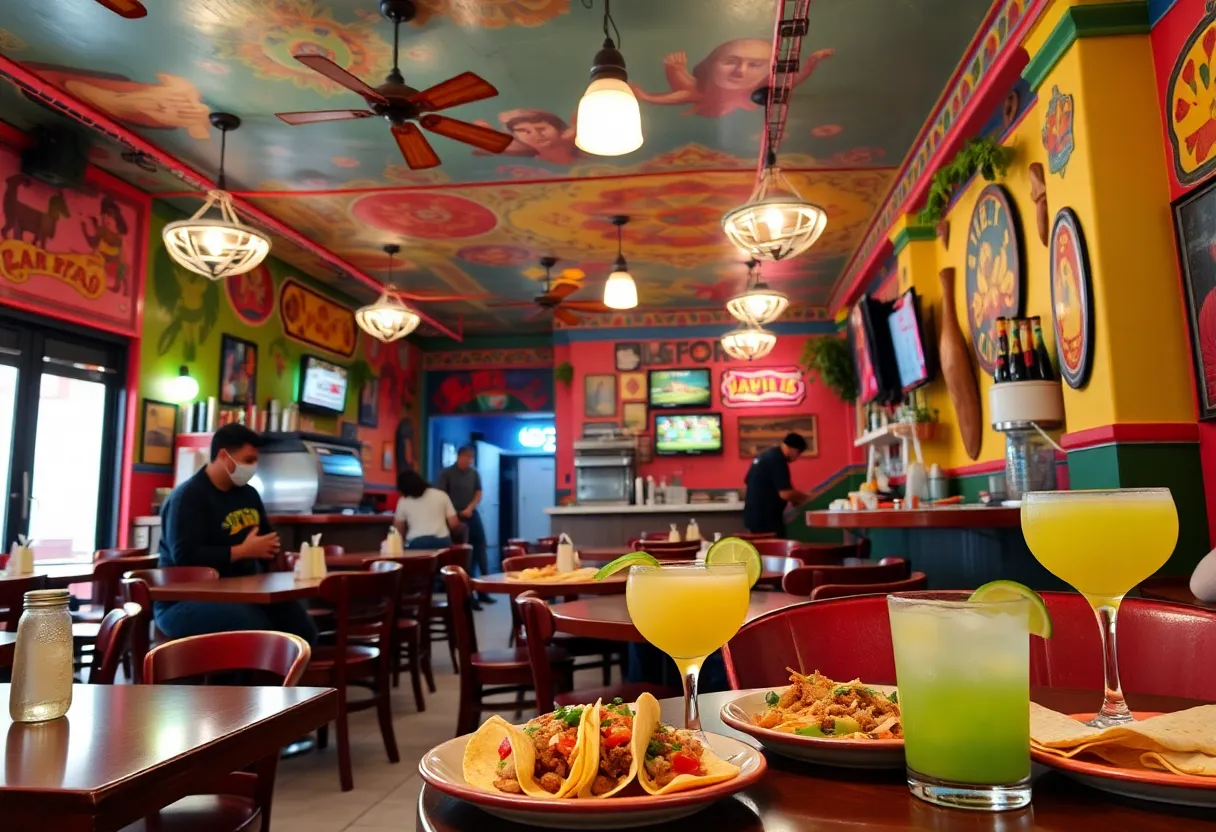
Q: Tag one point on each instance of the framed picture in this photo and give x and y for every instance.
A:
(633, 416)
(1072, 299)
(628, 356)
(759, 433)
(369, 403)
(1195, 217)
(238, 371)
(633, 387)
(599, 396)
(386, 456)
(160, 427)
(646, 448)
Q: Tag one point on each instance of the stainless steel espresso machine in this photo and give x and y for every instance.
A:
(603, 470)
(307, 473)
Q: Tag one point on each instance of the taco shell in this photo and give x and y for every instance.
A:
(592, 758)
(481, 758)
(645, 721)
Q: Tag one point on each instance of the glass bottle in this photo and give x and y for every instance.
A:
(42, 662)
(1028, 352)
(1017, 366)
(1045, 369)
(1002, 351)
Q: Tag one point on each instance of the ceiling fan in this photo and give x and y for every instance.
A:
(554, 298)
(130, 9)
(406, 108)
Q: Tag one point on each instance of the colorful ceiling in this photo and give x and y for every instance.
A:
(473, 229)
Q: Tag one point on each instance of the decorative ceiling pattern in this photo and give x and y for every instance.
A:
(473, 229)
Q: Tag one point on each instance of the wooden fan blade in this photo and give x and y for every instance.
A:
(417, 151)
(480, 137)
(130, 9)
(464, 88)
(317, 116)
(335, 73)
(587, 306)
(563, 290)
(513, 304)
(566, 316)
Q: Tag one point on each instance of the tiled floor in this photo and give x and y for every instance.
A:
(308, 797)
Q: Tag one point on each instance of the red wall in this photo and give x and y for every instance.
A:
(725, 471)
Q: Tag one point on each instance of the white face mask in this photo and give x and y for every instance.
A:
(241, 473)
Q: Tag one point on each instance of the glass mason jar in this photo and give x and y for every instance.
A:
(42, 664)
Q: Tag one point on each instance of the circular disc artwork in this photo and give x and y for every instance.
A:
(1072, 315)
(994, 271)
(426, 215)
(1192, 91)
(251, 295)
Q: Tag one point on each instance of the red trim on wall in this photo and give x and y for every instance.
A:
(1161, 432)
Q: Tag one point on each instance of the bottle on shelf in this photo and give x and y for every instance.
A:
(1029, 356)
(1002, 373)
(1016, 364)
(1040, 349)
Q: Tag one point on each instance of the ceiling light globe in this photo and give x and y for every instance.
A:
(747, 343)
(759, 305)
(609, 119)
(388, 319)
(776, 229)
(620, 292)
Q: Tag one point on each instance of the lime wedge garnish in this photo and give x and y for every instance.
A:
(626, 561)
(1040, 619)
(736, 550)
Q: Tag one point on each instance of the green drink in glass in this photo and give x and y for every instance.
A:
(963, 670)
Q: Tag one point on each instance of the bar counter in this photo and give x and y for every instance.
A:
(931, 517)
(615, 525)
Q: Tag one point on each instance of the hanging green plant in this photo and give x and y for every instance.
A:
(980, 155)
(829, 356)
(564, 373)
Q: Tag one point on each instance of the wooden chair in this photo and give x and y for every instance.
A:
(515, 563)
(539, 630)
(365, 610)
(410, 646)
(12, 598)
(331, 549)
(518, 542)
(108, 575)
(668, 551)
(655, 536)
(135, 586)
(439, 628)
(514, 550)
(917, 582)
(754, 536)
(543, 545)
(485, 673)
(106, 592)
(112, 643)
(240, 801)
(804, 579)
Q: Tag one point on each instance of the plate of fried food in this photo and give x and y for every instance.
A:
(598, 766)
(548, 574)
(819, 720)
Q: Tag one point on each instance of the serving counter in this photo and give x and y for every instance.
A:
(353, 532)
(609, 525)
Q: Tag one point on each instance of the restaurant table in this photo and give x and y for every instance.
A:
(1176, 588)
(607, 617)
(499, 584)
(267, 588)
(800, 796)
(355, 560)
(59, 575)
(124, 751)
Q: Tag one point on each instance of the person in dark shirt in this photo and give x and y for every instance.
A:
(216, 518)
(463, 484)
(769, 489)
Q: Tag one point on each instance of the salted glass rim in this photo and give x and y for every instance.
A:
(952, 600)
(728, 566)
(1084, 493)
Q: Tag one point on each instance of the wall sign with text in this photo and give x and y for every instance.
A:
(767, 387)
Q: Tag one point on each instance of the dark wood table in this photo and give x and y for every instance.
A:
(1176, 588)
(607, 616)
(59, 575)
(268, 588)
(972, 516)
(355, 560)
(800, 796)
(124, 751)
(499, 584)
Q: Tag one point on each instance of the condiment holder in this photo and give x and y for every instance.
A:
(392, 545)
(20, 558)
(310, 566)
(567, 558)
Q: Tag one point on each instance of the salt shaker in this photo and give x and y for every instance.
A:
(42, 661)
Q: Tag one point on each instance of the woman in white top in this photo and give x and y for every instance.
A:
(425, 516)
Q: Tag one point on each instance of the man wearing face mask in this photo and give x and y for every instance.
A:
(216, 518)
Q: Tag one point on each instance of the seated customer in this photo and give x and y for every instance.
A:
(425, 516)
(217, 519)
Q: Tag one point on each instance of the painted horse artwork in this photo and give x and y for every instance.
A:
(21, 218)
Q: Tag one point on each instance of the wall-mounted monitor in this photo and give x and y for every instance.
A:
(687, 434)
(873, 356)
(680, 388)
(322, 386)
(913, 353)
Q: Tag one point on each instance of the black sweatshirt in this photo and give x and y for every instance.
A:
(200, 524)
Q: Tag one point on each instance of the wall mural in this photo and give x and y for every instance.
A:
(489, 391)
(1192, 94)
(251, 295)
(312, 318)
(1058, 139)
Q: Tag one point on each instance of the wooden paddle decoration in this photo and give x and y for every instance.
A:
(958, 371)
(1038, 194)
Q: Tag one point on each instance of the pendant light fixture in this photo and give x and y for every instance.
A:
(776, 222)
(217, 247)
(620, 292)
(759, 304)
(609, 121)
(388, 319)
(749, 342)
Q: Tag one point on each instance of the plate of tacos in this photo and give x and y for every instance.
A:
(595, 766)
(819, 720)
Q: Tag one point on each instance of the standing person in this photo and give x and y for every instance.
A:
(769, 489)
(216, 518)
(425, 516)
(463, 484)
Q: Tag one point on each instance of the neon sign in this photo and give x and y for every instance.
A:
(770, 387)
(542, 439)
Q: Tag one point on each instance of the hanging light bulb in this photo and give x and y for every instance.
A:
(748, 342)
(609, 121)
(775, 222)
(759, 304)
(217, 247)
(620, 292)
(183, 387)
(388, 319)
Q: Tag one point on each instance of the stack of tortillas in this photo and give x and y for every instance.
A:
(1183, 742)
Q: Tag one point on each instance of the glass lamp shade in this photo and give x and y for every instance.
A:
(758, 305)
(182, 388)
(620, 292)
(748, 343)
(388, 319)
(215, 247)
(609, 120)
(776, 222)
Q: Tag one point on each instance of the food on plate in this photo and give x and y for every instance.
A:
(816, 706)
(549, 573)
(673, 760)
(544, 758)
(610, 731)
(1183, 742)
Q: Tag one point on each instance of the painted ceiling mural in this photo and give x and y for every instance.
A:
(473, 229)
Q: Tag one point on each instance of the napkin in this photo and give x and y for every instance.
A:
(565, 554)
(21, 558)
(311, 563)
(392, 544)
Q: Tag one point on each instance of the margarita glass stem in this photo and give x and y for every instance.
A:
(690, 671)
(1114, 708)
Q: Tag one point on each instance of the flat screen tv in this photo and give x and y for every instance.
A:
(873, 355)
(913, 357)
(322, 386)
(687, 434)
(679, 388)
